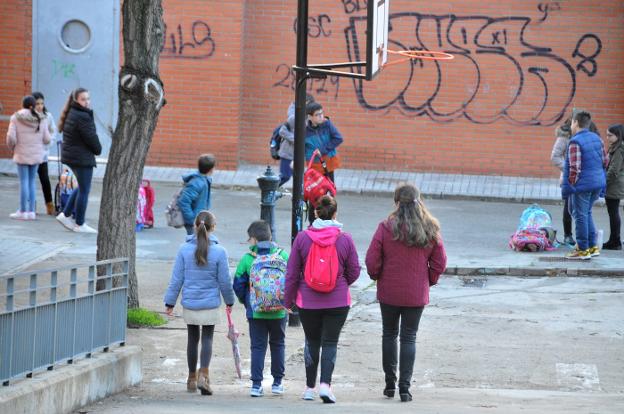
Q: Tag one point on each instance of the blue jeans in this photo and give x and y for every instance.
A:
(285, 171)
(77, 202)
(582, 204)
(261, 332)
(27, 174)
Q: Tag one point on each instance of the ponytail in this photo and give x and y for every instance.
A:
(29, 103)
(70, 100)
(204, 225)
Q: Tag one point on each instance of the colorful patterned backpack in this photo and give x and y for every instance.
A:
(267, 279)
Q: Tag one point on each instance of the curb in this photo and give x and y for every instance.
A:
(534, 272)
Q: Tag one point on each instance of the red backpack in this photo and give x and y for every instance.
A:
(321, 269)
(315, 184)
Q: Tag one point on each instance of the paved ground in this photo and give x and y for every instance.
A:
(495, 344)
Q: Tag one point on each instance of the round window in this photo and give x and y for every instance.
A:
(75, 36)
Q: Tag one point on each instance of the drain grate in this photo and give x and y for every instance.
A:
(474, 282)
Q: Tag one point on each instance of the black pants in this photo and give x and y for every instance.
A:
(311, 216)
(190, 229)
(408, 318)
(567, 218)
(613, 208)
(45, 182)
(207, 333)
(322, 329)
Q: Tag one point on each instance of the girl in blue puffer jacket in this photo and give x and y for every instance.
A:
(201, 272)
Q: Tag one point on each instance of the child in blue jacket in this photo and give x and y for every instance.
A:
(195, 195)
(201, 271)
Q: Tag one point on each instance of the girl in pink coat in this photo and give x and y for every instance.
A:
(27, 138)
(405, 257)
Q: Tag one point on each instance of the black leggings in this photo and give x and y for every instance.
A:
(613, 208)
(206, 348)
(45, 181)
(567, 218)
(322, 329)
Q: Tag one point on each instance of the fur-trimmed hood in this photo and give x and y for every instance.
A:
(27, 118)
(563, 132)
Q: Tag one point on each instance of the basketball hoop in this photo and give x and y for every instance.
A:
(418, 54)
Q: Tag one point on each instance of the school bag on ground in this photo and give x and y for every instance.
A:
(173, 214)
(321, 268)
(275, 142)
(66, 185)
(267, 278)
(535, 231)
(145, 205)
(315, 184)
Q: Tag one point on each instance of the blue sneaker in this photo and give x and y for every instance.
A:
(277, 389)
(256, 391)
(309, 394)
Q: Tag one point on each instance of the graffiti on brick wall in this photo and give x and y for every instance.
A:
(317, 26)
(537, 87)
(326, 87)
(193, 41)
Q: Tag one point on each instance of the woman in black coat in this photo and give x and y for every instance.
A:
(80, 146)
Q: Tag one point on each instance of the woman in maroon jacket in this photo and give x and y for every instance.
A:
(405, 257)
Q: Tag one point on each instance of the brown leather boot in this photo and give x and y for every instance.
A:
(191, 382)
(50, 209)
(203, 382)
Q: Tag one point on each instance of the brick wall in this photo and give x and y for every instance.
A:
(492, 110)
(519, 69)
(15, 60)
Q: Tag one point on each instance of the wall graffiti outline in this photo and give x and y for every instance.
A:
(493, 40)
(177, 45)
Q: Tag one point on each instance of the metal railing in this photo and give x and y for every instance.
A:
(49, 317)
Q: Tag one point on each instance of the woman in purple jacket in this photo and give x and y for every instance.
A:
(405, 257)
(322, 314)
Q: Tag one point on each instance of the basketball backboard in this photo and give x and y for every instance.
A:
(376, 36)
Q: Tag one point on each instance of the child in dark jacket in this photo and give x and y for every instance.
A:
(264, 327)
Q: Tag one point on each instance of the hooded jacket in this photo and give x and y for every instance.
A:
(80, 141)
(287, 132)
(615, 171)
(195, 196)
(297, 291)
(27, 143)
(403, 273)
(324, 137)
(201, 286)
(560, 148)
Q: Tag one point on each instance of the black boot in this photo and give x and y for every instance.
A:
(389, 390)
(611, 245)
(405, 395)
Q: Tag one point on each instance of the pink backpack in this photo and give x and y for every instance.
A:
(321, 269)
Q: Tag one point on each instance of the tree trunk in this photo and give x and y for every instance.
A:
(141, 96)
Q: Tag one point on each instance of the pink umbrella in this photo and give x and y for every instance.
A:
(233, 335)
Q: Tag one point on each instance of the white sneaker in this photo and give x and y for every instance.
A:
(84, 229)
(30, 215)
(326, 394)
(67, 222)
(309, 394)
(19, 215)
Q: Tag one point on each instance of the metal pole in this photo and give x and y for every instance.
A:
(300, 118)
(300, 129)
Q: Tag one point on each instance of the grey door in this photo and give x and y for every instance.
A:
(76, 43)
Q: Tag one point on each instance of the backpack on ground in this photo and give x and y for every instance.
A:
(66, 185)
(173, 214)
(276, 142)
(535, 231)
(267, 278)
(321, 268)
(315, 184)
(145, 205)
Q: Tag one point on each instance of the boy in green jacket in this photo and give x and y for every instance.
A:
(259, 284)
